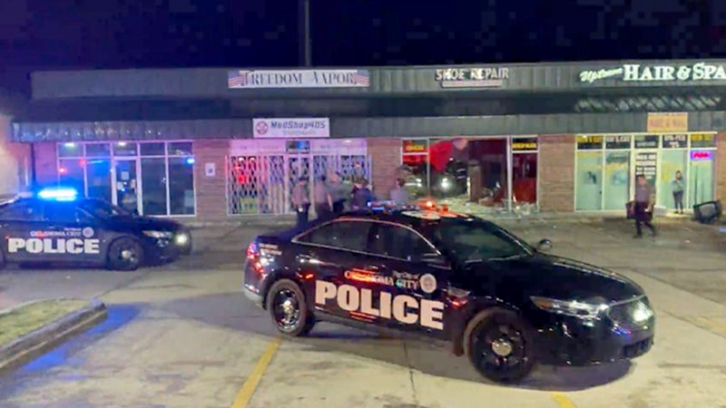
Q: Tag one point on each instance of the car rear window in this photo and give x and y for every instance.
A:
(350, 235)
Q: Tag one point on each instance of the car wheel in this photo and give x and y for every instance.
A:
(288, 308)
(499, 345)
(125, 254)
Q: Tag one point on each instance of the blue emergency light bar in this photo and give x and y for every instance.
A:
(58, 194)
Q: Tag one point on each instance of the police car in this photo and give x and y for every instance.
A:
(56, 226)
(504, 304)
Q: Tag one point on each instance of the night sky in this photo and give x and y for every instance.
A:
(67, 34)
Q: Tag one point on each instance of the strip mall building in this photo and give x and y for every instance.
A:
(214, 144)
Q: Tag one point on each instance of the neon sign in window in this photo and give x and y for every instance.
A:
(703, 155)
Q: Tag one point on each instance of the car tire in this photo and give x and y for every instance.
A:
(288, 309)
(499, 345)
(125, 254)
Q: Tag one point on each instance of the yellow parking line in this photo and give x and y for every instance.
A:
(711, 325)
(248, 388)
(563, 401)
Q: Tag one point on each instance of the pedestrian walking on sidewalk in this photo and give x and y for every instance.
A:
(301, 201)
(643, 206)
(677, 187)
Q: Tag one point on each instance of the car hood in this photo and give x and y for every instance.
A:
(554, 277)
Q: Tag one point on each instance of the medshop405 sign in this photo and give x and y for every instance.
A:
(290, 128)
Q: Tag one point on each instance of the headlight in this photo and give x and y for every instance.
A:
(570, 307)
(181, 239)
(159, 234)
(445, 184)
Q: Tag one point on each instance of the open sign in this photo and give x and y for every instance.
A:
(706, 155)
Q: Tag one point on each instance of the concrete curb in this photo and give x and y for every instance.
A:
(40, 341)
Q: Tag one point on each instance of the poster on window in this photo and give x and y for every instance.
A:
(646, 164)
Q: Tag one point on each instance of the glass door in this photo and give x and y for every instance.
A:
(126, 183)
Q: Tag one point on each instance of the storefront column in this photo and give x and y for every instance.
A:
(721, 167)
(386, 156)
(46, 163)
(211, 189)
(557, 173)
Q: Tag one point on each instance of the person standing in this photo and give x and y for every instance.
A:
(301, 201)
(399, 195)
(322, 198)
(643, 206)
(362, 196)
(339, 193)
(677, 186)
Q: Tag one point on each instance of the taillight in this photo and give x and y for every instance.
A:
(252, 252)
(253, 257)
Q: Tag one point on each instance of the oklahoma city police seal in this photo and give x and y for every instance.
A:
(87, 232)
(428, 283)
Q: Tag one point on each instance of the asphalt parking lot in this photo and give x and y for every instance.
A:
(183, 336)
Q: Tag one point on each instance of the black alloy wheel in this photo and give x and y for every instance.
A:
(125, 254)
(499, 345)
(288, 308)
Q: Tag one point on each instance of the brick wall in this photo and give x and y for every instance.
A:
(386, 154)
(556, 173)
(720, 164)
(46, 163)
(210, 191)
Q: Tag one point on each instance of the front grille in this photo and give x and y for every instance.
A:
(630, 315)
(637, 349)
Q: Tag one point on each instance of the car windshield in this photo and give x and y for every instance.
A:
(103, 209)
(474, 240)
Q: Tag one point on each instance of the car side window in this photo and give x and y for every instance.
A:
(21, 211)
(351, 235)
(399, 242)
(64, 213)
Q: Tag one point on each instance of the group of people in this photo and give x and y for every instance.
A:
(333, 197)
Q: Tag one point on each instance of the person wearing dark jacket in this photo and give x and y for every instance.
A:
(362, 196)
(643, 206)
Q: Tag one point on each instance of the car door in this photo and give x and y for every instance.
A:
(328, 257)
(418, 276)
(74, 234)
(20, 222)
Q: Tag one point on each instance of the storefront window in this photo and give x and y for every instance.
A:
(617, 180)
(124, 149)
(416, 164)
(589, 181)
(607, 166)
(99, 178)
(70, 150)
(524, 170)
(701, 174)
(181, 186)
(153, 184)
(137, 177)
(71, 173)
(673, 162)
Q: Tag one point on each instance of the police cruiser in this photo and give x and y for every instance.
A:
(504, 304)
(56, 226)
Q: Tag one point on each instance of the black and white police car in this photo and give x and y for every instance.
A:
(453, 277)
(54, 225)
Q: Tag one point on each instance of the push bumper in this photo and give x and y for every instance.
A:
(574, 342)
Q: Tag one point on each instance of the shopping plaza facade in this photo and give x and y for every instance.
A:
(219, 144)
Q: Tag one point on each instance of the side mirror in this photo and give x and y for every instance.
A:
(544, 245)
